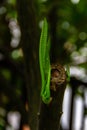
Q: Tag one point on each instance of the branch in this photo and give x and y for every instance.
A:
(49, 117)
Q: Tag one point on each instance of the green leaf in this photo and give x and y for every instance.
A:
(44, 60)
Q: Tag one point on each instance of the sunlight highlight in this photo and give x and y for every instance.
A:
(75, 1)
(78, 110)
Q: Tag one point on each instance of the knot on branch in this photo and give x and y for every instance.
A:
(58, 76)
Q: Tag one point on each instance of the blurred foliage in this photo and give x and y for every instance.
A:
(69, 21)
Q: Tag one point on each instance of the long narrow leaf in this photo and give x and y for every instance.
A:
(44, 60)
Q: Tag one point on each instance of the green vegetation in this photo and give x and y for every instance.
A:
(45, 63)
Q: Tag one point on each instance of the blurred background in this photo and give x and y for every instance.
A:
(68, 21)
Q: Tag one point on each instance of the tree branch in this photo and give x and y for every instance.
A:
(49, 118)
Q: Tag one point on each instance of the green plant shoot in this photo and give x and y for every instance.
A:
(44, 60)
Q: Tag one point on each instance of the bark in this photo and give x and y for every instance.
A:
(49, 116)
(29, 44)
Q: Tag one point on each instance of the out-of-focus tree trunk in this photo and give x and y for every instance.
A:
(29, 44)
